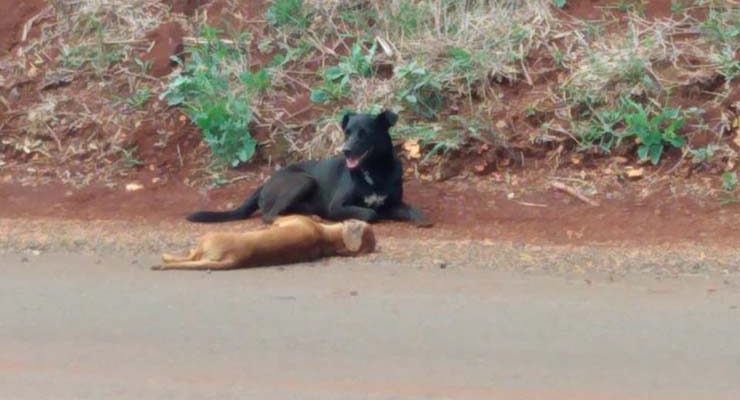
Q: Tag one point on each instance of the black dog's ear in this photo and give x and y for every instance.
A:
(345, 119)
(388, 118)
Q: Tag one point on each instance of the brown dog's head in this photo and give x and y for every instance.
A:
(358, 237)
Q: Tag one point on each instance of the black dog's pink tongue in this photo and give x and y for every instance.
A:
(352, 163)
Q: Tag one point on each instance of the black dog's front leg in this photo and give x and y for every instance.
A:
(404, 212)
(352, 212)
(339, 211)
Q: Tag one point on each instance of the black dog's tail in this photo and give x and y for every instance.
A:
(243, 212)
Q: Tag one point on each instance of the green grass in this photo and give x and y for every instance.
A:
(139, 98)
(421, 90)
(287, 13)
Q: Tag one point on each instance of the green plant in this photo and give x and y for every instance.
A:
(94, 51)
(728, 64)
(410, 17)
(256, 82)
(421, 91)
(703, 154)
(139, 98)
(653, 131)
(601, 130)
(441, 140)
(722, 26)
(729, 181)
(287, 13)
(128, 157)
(337, 78)
(215, 98)
(559, 3)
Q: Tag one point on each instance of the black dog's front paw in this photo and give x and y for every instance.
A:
(419, 219)
(423, 223)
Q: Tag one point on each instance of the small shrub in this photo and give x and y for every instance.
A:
(703, 154)
(654, 132)
(337, 78)
(729, 181)
(213, 94)
(601, 131)
(421, 91)
(287, 13)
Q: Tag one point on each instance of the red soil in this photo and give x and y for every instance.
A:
(167, 40)
(459, 211)
(13, 18)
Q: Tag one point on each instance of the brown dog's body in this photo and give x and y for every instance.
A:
(289, 239)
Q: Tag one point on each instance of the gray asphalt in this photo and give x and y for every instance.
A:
(81, 327)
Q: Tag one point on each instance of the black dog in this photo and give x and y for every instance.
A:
(365, 184)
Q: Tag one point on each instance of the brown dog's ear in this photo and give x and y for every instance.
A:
(345, 119)
(387, 118)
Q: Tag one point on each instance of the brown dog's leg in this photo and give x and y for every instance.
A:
(169, 258)
(197, 265)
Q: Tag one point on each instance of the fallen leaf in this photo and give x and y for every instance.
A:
(501, 124)
(412, 148)
(133, 187)
(576, 159)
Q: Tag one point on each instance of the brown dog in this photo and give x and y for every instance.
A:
(289, 239)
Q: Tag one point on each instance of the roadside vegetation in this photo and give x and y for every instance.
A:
(499, 83)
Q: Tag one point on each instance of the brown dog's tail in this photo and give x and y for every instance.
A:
(243, 212)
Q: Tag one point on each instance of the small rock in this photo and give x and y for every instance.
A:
(24, 259)
(353, 293)
(133, 187)
(634, 173)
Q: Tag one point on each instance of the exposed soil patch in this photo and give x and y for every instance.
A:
(168, 42)
(187, 7)
(13, 19)
(460, 211)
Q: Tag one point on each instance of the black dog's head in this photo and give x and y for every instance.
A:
(367, 137)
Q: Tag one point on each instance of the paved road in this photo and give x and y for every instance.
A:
(76, 327)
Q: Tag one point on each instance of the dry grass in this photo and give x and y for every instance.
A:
(511, 74)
